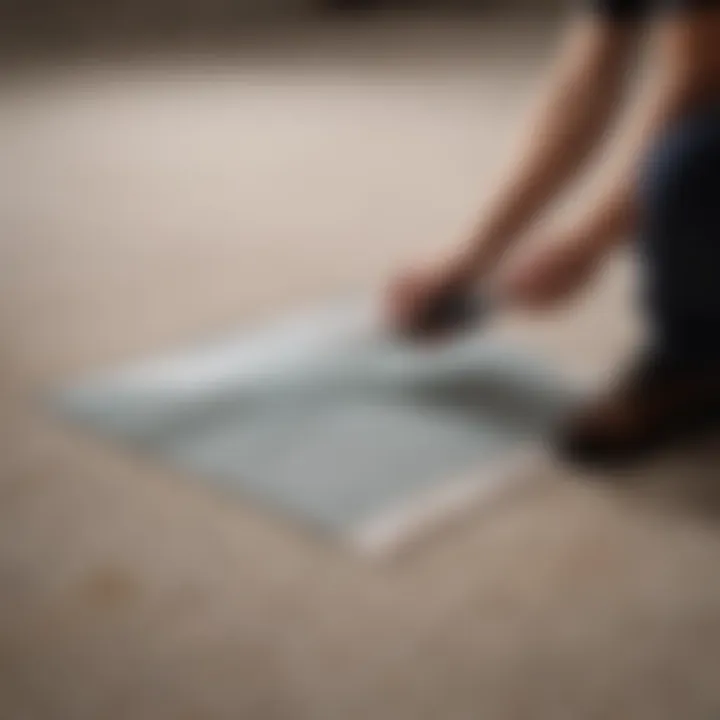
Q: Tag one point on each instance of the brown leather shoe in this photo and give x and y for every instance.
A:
(657, 404)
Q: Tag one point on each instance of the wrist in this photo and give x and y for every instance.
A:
(596, 238)
(609, 225)
(482, 254)
(596, 245)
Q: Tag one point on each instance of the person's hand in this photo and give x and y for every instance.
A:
(428, 303)
(550, 274)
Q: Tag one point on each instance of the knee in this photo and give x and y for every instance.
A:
(682, 167)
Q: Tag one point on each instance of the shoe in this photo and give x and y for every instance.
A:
(657, 404)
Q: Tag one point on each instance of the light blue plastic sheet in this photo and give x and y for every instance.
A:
(325, 416)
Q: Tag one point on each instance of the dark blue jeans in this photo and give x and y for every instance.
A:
(680, 238)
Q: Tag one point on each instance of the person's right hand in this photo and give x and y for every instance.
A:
(428, 303)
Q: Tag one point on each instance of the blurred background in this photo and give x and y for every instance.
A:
(73, 21)
(173, 169)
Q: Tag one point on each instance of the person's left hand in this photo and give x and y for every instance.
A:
(550, 274)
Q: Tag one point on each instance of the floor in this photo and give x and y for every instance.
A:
(154, 200)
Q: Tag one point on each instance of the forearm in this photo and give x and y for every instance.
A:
(613, 218)
(689, 75)
(584, 91)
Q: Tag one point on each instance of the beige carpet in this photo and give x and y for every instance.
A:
(147, 204)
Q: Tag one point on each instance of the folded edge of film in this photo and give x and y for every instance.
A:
(406, 525)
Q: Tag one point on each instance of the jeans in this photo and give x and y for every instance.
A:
(680, 238)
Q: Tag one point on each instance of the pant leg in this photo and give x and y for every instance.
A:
(680, 238)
